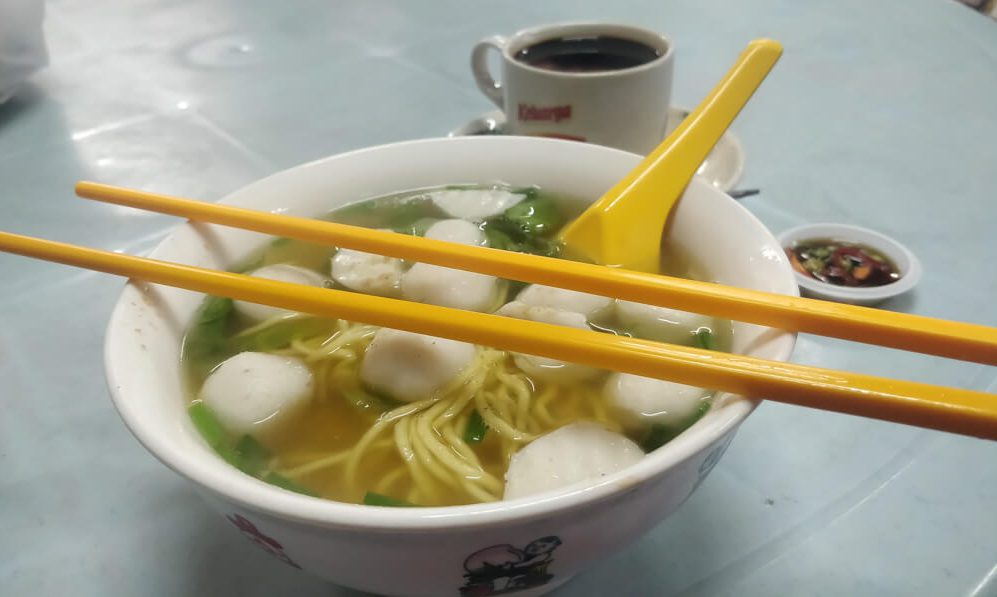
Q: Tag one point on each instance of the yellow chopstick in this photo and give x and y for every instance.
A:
(936, 407)
(964, 341)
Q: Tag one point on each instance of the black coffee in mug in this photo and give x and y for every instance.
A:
(587, 54)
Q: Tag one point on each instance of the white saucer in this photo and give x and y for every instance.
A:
(722, 168)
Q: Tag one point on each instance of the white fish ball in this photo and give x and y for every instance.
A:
(544, 368)
(253, 392)
(367, 272)
(282, 272)
(661, 323)
(446, 287)
(456, 231)
(475, 204)
(521, 310)
(571, 454)
(411, 367)
(588, 305)
(644, 401)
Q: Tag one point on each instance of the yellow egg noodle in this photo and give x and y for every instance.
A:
(419, 447)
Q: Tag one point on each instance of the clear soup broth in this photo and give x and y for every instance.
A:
(353, 433)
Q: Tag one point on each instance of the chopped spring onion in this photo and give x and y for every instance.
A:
(537, 215)
(285, 483)
(658, 436)
(252, 455)
(376, 499)
(207, 424)
(704, 339)
(476, 428)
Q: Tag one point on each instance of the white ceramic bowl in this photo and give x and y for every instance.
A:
(907, 264)
(535, 543)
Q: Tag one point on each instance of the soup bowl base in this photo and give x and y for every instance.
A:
(532, 556)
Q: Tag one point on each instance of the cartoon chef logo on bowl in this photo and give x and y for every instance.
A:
(504, 569)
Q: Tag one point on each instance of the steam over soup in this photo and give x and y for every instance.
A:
(356, 413)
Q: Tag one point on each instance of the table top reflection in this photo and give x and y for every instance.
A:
(879, 114)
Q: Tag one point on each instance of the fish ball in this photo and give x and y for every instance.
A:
(544, 368)
(588, 305)
(456, 231)
(280, 272)
(475, 204)
(412, 367)
(446, 287)
(645, 401)
(367, 273)
(661, 323)
(253, 392)
(574, 453)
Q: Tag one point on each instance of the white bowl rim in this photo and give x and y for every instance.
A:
(903, 257)
(257, 495)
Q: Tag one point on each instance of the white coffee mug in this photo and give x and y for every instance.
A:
(623, 107)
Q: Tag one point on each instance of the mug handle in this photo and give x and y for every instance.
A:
(479, 66)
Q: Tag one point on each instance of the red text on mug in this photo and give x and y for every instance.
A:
(529, 113)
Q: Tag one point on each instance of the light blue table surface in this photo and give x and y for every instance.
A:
(881, 113)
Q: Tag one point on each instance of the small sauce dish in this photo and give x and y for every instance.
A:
(907, 265)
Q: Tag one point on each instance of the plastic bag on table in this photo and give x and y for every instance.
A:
(22, 43)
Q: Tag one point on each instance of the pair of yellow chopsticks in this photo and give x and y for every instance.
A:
(937, 407)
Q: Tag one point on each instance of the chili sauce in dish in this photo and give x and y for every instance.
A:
(842, 263)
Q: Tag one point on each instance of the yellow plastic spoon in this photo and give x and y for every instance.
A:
(624, 227)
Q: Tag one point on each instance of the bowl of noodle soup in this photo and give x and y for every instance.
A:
(303, 491)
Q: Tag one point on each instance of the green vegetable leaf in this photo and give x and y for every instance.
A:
(205, 345)
(207, 424)
(418, 227)
(362, 399)
(476, 428)
(376, 499)
(545, 247)
(285, 483)
(252, 455)
(704, 339)
(503, 231)
(228, 454)
(538, 215)
(513, 288)
(247, 455)
(389, 212)
(208, 335)
(504, 234)
(215, 309)
(410, 211)
(362, 213)
(496, 238)
(658, 436)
